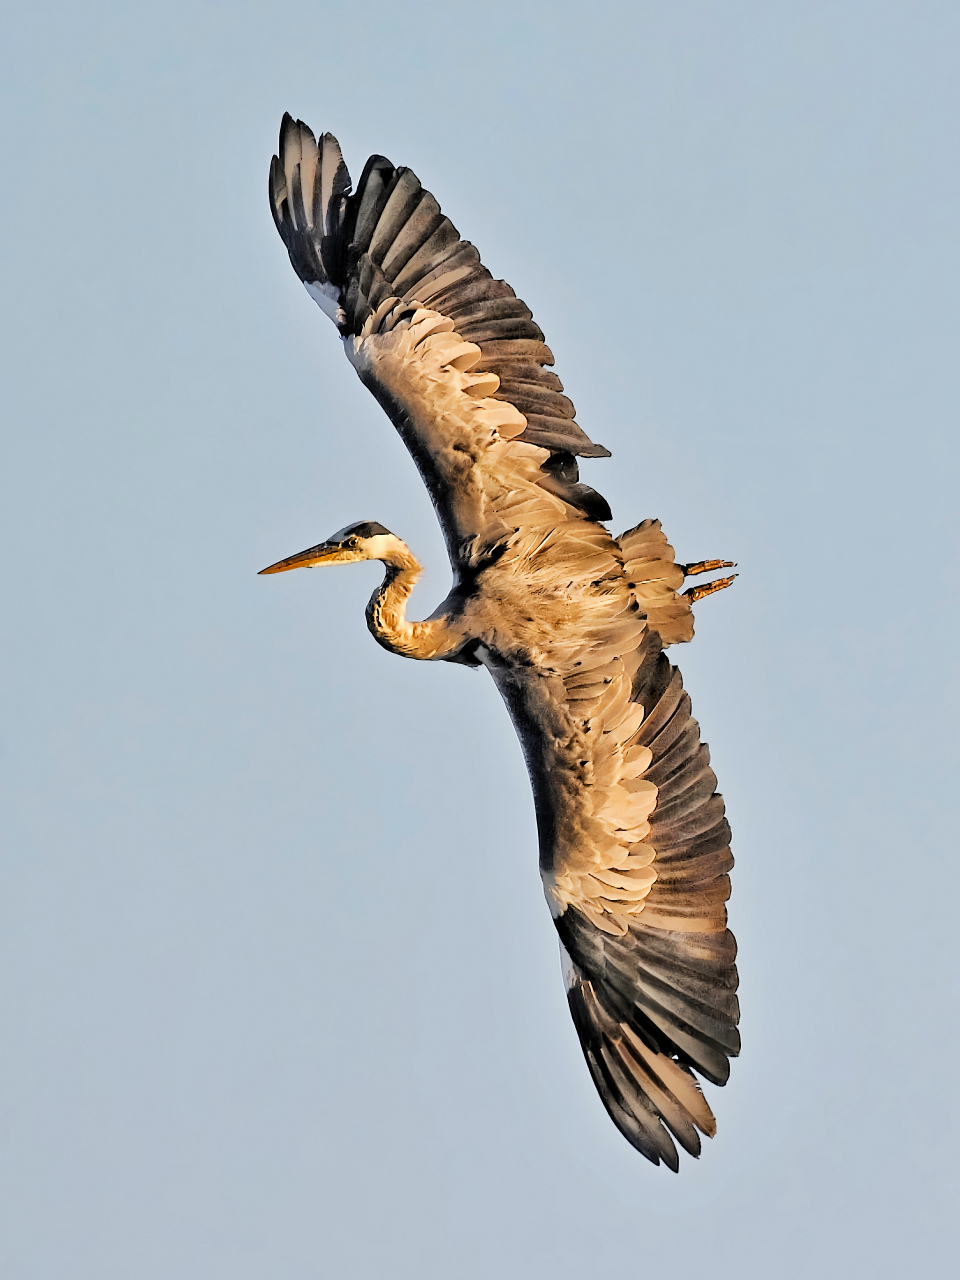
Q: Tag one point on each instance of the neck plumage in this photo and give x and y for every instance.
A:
(386, 612)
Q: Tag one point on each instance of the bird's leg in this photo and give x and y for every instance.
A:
(705, 566)
(697, 593)
(694, 594)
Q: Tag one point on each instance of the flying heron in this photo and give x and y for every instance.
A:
(570, 622)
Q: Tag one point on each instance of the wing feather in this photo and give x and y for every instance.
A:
(402, 200)
(442, 246)
(414, 236)
(674, 757)
(490, 308)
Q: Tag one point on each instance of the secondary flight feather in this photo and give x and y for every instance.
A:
(570, 622)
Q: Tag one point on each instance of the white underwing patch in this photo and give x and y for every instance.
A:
(568, 969)
(327, 298)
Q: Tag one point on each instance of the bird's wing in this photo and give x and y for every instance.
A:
(635, 851)
(452, 354)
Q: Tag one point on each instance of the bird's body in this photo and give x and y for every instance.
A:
(570, 621)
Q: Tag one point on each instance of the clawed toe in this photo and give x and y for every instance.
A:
(706, 566)
(693, 594)
(697, 593)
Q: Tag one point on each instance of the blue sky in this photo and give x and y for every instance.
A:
(279, 995)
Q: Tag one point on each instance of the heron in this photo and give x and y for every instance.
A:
(571, 623)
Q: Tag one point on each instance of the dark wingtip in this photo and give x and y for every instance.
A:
(289, 130)
(274, 187)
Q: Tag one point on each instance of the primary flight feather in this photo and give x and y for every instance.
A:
(570, 622)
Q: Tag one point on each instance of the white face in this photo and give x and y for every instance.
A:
(381, 546)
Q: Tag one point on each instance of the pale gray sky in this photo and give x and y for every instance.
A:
(279, 996)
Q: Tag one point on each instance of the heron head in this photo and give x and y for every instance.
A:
(364, 540)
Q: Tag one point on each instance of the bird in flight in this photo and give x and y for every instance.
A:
(570, 622)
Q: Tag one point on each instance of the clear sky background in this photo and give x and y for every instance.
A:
(279, 995)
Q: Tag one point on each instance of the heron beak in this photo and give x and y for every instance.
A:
(325, 553)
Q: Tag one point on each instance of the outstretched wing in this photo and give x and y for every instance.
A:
(452, 354)
(635, 851)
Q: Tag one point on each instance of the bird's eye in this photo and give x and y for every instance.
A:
(353, 542)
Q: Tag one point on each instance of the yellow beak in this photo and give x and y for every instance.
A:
(324, 553)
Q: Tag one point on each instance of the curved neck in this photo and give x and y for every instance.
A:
(386, 612)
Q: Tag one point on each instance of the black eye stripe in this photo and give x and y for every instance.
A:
(365, 529)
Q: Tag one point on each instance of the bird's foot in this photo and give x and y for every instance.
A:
(694, 594)
(706, 566)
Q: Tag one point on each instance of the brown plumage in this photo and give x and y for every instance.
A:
(570, 622)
